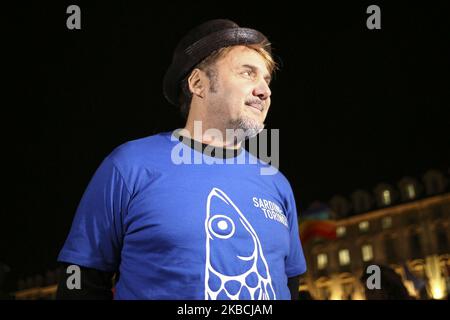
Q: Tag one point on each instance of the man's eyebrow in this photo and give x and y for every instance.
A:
(267, 77)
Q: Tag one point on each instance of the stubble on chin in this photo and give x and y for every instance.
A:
(246, 127)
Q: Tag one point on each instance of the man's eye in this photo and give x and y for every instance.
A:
(247, 73)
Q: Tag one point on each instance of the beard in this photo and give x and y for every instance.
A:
(245, 128)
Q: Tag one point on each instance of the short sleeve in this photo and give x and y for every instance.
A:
(95, 238)
(295, 262)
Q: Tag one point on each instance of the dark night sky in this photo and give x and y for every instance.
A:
(355, 107)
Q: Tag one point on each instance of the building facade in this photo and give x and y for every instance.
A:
(408, 230)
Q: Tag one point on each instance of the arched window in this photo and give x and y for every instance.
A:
(362, 201)
(386, 222)
(344, 257)
(322, 261)
(367, 252)
(385, 195)
(434, 181)
(340, 206)
(409, 188)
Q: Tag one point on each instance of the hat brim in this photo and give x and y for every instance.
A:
(201, 49)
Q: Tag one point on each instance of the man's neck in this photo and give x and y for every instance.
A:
(212, 135)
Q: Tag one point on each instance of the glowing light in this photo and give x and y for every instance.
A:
(386, 197)
(322, 261)
(340, 231)
(437, 282)
(336, 294)
(411, 191)
(363, 226)
(437, 290)
(367, 252)
(358, 295)
(344, 257)
(386, 222)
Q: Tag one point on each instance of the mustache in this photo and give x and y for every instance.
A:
(255, 101)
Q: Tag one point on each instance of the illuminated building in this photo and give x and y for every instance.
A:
(407, 230)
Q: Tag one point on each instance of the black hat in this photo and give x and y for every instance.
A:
(198, 44)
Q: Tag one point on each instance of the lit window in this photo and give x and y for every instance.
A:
(386, 222)
(386, 197)
(363, 226)
(367, 252)
(340, 231)
(322, 261)
(410, 191)
(344, 257)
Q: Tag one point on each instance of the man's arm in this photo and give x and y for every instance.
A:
(95, 285)
(293, 287)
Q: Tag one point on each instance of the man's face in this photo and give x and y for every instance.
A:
(239, 94)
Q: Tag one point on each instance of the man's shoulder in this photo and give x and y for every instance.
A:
(283, 181)
(271, 172)
(141, 150)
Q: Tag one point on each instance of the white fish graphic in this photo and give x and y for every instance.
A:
(245, 274)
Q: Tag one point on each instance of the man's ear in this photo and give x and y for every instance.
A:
(196, 82)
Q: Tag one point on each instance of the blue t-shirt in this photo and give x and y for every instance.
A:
(187, 231)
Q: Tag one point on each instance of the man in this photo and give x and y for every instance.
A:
(171, 230)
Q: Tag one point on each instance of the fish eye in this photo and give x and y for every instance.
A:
(221, 226)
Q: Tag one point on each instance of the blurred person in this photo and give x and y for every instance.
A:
(392, 287)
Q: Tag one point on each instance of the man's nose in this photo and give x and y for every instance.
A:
(262, 90)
